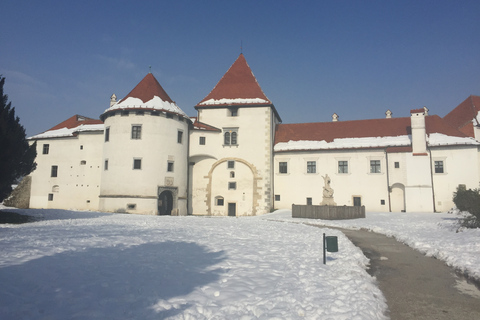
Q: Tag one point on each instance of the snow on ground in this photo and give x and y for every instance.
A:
(90, 265)
(434, 234)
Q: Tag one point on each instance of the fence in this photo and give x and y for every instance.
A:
(328, 212)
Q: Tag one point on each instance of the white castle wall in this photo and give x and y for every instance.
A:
(121, 185)
(252, 156)
(77, 185)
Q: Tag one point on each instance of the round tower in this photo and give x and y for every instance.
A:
(145, 153)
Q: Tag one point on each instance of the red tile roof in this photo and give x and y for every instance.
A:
(461, 117)
(203, 126)
(75, 121)
(147, 89)
(329, 131)
(237, 83)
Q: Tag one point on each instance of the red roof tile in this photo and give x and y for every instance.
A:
(329, 131)
(237, 83)
(203, 126)
(147, 89)
(75, 121)
(461, 117)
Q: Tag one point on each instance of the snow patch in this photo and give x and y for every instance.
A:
(155, 103)
(234, 101)
(66, 132)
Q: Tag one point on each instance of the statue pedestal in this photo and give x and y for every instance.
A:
(328, 202)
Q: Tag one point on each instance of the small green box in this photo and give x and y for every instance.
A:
(332, 243)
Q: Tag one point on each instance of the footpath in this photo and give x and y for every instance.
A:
(416, 286)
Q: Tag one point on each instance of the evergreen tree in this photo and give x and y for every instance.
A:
(16, 156)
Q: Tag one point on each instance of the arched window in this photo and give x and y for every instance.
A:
(227, 137)
(55, 188)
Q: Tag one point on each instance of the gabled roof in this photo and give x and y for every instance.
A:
(461, 117)
(71, 127)
(149, 95)
(238, 86)
(363, 133)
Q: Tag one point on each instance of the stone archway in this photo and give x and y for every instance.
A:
(256, 196)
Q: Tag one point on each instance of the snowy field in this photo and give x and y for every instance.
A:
(89, 265)
(434, 234)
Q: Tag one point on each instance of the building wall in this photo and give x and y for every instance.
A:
(77, 185)
(252, 157)
(125, 189)
(295, 186)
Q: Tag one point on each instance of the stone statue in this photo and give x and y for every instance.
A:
(327, 192)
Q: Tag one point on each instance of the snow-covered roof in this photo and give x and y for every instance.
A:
(238, 86)
(71, 127)
(68, 132)
(372, 133)
(434, 139)
(148, 94)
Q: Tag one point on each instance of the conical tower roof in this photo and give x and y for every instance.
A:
(238, 86)
(148, 94)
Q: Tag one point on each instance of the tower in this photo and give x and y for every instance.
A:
(145, 153)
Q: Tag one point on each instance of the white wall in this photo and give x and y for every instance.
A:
(123, 185)
(78, 184)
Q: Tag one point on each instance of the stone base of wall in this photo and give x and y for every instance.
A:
(20, 196)
(328, 212)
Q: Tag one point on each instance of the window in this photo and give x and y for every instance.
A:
(50, 197)
(311, 166)
(139, 113)
(232, 186)
(169, 116)
(81, 147)
(124, 113)
(277, 197)
(137, 164)
(105, 167)
(439, 167)
(136, 132)
(46, 148)
(233, 112)
(131, 206)
(382, 202)
(219, 201)
(282, 167)
(309, 201)
(230, 137)
(54, 172)
(83, 162)
(397, 164)
(170, 166)
(374, 166)
(342, 166)
(232, 174)
(357, 201)
(107, 134)
(202, 141)
(179, 136)
(231, 164)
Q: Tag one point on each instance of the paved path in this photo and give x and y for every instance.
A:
(416, 286)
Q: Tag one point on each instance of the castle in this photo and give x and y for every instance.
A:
(145, 155)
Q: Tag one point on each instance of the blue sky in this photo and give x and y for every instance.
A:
(311, 58)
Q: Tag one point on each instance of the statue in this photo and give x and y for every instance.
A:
(327, 192)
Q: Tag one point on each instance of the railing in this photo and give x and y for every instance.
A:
(328, 212)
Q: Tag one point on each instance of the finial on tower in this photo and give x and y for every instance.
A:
(241, 47)
(149, 69)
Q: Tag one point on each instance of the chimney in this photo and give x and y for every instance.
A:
(335, 117)
(419, 133)
(426, 110)
(388, 114)
(113, 99)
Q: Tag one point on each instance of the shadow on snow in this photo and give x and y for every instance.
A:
(106, 283)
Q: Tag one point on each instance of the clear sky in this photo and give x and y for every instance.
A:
(311, 58)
